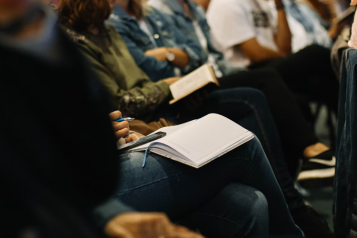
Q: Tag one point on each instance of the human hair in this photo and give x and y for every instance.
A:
(80, 15)
(138, 8)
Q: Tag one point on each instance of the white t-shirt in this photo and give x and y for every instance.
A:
(233, 22)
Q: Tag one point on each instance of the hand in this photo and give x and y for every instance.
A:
(159, 53)
(146, 225)
(173, 80)
(121, 128)
(134, 137)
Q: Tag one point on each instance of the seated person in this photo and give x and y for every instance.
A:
(317, 33)
(296, 139)
(190, 19)
(130, 91)
(257, 41)
(60, 166)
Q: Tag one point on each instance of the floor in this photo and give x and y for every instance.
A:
(321, 198)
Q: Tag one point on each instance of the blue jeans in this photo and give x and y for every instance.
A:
(236, 195)
(249, 108)
(345, 196)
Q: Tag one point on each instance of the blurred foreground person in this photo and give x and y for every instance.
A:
(60, 165)
(59, 158)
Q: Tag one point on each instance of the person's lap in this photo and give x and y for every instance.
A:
(248, 107)
(176, 189)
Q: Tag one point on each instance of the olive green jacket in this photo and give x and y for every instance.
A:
(130, 89)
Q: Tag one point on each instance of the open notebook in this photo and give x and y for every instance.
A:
(198, 142)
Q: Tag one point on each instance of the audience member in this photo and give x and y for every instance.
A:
(316, 32)
(325, 8)
(285, 110)
(258, 41)
(62, 155)
(241, 105)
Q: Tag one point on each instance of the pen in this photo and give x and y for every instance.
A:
(125, 119)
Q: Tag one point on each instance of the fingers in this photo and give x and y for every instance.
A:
(120, 125)
(132, 137)
(116, 231)
(115, 115)
(122, 133)
(121, 129)
(182, 232)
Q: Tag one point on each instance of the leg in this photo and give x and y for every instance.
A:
(176, 189)
(249, 108)
(309, 72)
(254, 219)
(294, 131)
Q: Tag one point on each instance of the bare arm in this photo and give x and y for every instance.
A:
(283, 36)
(181, 58)
(257, 53)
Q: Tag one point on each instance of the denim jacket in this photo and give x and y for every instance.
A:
(183, 22)
(345, 196)
(164, 33)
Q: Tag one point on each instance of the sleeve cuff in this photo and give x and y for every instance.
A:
(195, 60)
(165, 87)
(109, 209)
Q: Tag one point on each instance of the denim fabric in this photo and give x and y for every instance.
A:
(345, 200)
(165, 35)
(229, 197)
(184, 23)
(310, 20)
(248, 107)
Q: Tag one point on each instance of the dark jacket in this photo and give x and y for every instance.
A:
(58, 157)
(345, 197)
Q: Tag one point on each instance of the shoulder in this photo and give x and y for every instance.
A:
(74, 36)
(161, 6)
(121, 25)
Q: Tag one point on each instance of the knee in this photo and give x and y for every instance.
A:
(254, 97)
(252, 207)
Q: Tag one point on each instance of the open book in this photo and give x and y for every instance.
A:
(198, 142)
(192, 82)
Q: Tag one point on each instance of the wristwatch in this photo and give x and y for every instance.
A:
(170, 57)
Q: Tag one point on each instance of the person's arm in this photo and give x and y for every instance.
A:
(196, 55)
(134, 102)
(144, 225)
(241, 36)
(155, 69)
(181, 58)
(283, 36)
(256, 52)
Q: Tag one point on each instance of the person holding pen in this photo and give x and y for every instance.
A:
(63, 164)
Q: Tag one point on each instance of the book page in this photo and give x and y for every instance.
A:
(192, 82)
(208, 135)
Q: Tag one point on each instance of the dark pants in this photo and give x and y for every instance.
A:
(234, 196)
(294, 131)
(309, 73)
(248, 107)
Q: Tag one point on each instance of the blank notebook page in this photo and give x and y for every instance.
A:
(211, 135)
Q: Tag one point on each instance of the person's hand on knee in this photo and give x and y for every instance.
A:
(146, 225)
